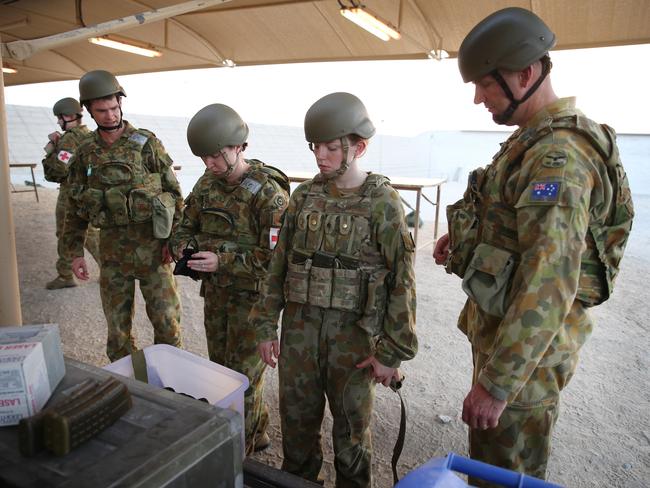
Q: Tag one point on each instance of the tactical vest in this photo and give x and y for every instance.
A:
(228, 222)
(334, 262)
(606, 239)
(120, 189)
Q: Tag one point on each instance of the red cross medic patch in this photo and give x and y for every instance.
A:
(64, 156)
(274, 232)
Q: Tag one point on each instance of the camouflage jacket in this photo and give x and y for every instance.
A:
(320, 219)
(56, 165)
(536, 210)
(92, 175)
(240, 223)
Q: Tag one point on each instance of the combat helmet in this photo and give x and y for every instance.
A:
(98, 84)
(510, 39)
(214, 127)
(67, 106)
(335, 116)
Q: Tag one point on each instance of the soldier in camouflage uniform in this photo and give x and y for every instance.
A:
(123, 183)
(343, 273)
(233, 215)
(537, 239)
(59, 150)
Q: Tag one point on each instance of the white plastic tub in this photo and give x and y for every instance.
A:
(168, 366)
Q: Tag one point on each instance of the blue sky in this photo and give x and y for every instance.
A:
(403, 97)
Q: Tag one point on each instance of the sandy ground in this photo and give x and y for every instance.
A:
(601, 439)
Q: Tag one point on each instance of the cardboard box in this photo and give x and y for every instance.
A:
(31, 367)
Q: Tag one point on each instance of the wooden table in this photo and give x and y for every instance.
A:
(402, 183)
(31, 167)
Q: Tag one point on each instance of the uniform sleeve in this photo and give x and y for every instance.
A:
(158, 161)
(73, 234)
(552, 218)
(265, 313)
(56, 165)
(398, 341)
(188, 227)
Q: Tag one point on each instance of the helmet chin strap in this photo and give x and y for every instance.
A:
(66, 122)
(109, 128)
(231, 166)
(345, 145)
(504, 117)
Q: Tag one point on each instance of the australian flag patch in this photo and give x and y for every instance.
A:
(545, 191)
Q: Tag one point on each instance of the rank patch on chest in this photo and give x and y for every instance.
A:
(64, 156)
(251, 185)
(545, 191)
(274, 232)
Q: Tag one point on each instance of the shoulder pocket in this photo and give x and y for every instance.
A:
(487, 278)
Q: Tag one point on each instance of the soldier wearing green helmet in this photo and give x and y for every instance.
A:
(232, 219)
(123, 183)
(537, 239)
(343, 273)
(59, 151)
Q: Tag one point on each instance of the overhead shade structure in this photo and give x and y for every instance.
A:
(253, 32)
(47, 40)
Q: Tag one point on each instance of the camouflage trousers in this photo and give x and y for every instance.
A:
(130, 253)
(318, 355)
(63, 263)
(231, 343)
(522, 440)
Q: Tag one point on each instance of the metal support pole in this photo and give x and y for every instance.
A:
(9, 292)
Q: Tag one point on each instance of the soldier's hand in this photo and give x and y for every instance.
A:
(54, 137)
(204, 262)
(441, 251)
(380, 373)
(80, 269)
(481, 410)
(269, 352)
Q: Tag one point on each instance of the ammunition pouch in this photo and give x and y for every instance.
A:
(463, 221)
(340, 283)
(117, 206)
(488, 277)
(463, 232)
(164, 207)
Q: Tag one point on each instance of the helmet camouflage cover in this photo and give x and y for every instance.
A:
(511, 39)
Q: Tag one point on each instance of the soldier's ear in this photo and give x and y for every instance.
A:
(360, 148)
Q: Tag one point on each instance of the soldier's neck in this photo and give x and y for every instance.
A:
(109, 137)
(238, 173)
(354, 177)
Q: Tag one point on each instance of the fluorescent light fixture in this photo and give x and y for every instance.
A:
(228, 63)
(370, 22)
(9, 70)
(125, 46)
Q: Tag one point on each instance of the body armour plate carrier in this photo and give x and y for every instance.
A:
(228, 222)
(606, 240)
(120, 189)
(334, 262)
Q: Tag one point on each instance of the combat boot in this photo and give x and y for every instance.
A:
(61, 282)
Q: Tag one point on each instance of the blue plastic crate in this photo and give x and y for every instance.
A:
(438, 473)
